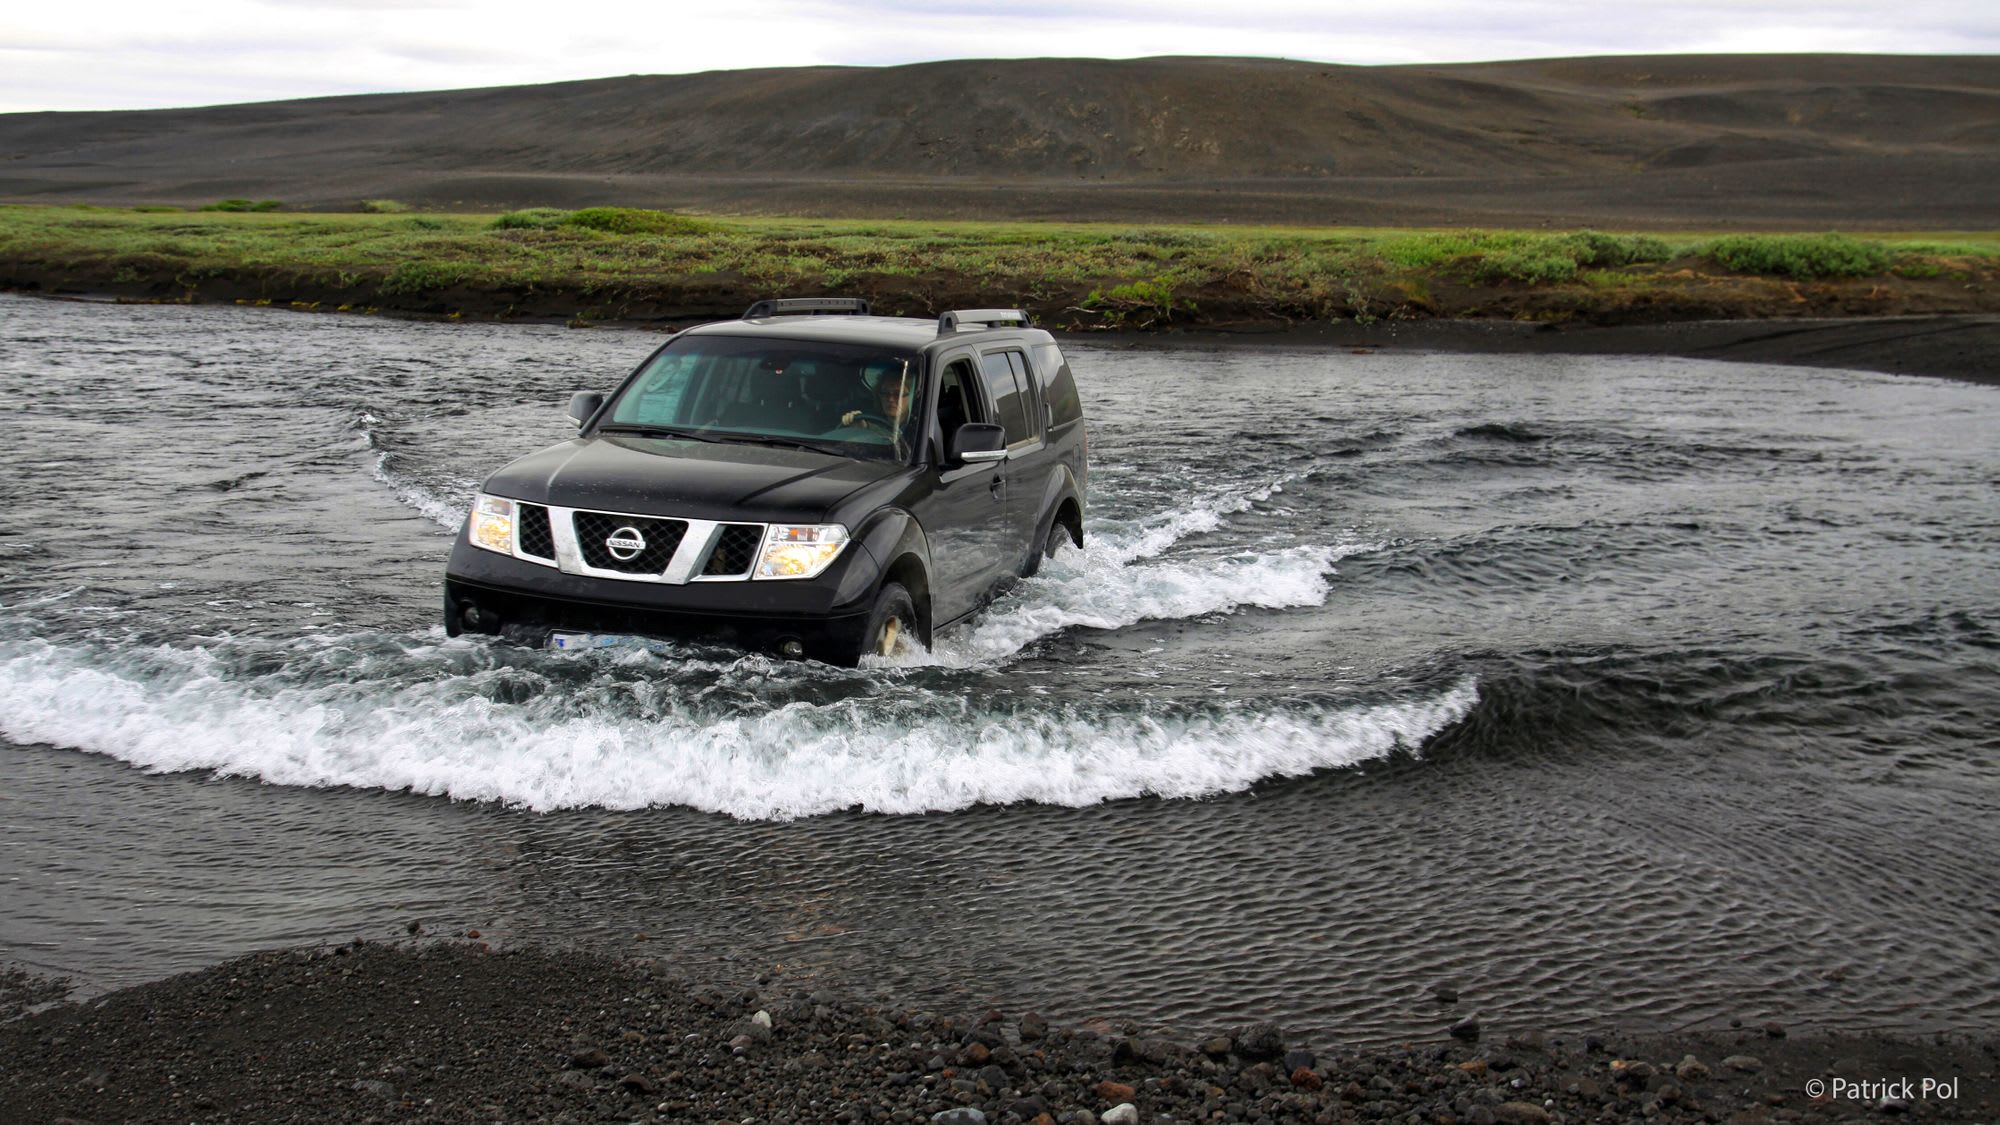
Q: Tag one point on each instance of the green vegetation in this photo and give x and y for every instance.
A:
(383, 207)
(243, 205)
(534, 218)
(1141, 304)
(1804, 256)
(632, 220)
(610, 220)
(607, 259)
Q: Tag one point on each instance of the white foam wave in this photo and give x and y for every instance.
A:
(1092, 589)
(1120, 579)
(177, 710)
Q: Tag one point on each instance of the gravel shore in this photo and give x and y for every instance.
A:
(452, 1031)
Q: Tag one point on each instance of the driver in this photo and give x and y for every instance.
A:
(892, 401)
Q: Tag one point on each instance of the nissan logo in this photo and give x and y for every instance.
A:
(625, 543)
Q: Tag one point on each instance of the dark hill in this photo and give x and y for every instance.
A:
(1769, 141)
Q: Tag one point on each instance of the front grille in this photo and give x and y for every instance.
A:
(536, 538)
(661, 536)
(735, 550)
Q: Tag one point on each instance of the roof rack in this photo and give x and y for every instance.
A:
(949, 322)
(808, 306)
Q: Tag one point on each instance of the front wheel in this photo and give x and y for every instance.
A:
(892, 627)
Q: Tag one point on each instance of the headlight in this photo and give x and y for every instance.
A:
(492, 524)
(800, 552)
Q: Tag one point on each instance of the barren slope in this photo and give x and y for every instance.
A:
(1795, 140)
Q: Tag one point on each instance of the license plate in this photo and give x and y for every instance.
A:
(572, 642)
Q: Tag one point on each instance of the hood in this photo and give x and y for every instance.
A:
(688, 478)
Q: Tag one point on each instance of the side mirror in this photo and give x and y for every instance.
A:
(976, 442)
(583, 404)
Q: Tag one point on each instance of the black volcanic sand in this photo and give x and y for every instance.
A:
(1657, 142)
(456, 1032)
(1965, 348)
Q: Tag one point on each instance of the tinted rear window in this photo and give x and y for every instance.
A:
(1059, 385)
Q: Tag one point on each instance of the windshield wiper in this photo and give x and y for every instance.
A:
(656, 431)
(787, 442)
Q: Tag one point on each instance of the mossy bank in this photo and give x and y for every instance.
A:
(621, 264)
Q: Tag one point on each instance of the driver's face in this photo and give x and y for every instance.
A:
(892, 400)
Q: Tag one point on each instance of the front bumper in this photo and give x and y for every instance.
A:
(492, 593)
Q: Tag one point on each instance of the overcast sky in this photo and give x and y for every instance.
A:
(120, 54)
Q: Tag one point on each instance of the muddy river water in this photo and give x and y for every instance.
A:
(1615, 691)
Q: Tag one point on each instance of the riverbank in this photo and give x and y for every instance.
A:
(1961, 348)
(453, 1031)
(621, 265)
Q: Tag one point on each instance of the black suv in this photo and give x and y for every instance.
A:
(810, 480)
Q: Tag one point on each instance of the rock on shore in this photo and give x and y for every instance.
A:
(454, 1032)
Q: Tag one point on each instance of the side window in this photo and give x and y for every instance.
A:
(1032, 403)
(958, 403)
(1010, 403)
(1059, 386)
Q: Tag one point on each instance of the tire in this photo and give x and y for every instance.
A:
(891, 624)
(1051, 540)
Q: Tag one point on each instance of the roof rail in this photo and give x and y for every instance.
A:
(807, 306)
(949, 322)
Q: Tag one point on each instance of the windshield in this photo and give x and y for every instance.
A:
(848, 399)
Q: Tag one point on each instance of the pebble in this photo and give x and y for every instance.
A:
(1260, 1041)
(964, 1115)
(1467, 1028)
(1521, 1113)
(1127, 1114)
(590, 1058)
(1775, 1030)
(1029, 1108)
(762, 1019)
(1300, 1060)
(1218, 1047)
(1748, 1064)
(639, 1084)
(1631, 1071)
(1115, 1092)
(374, 1086)
(1691, 1069)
